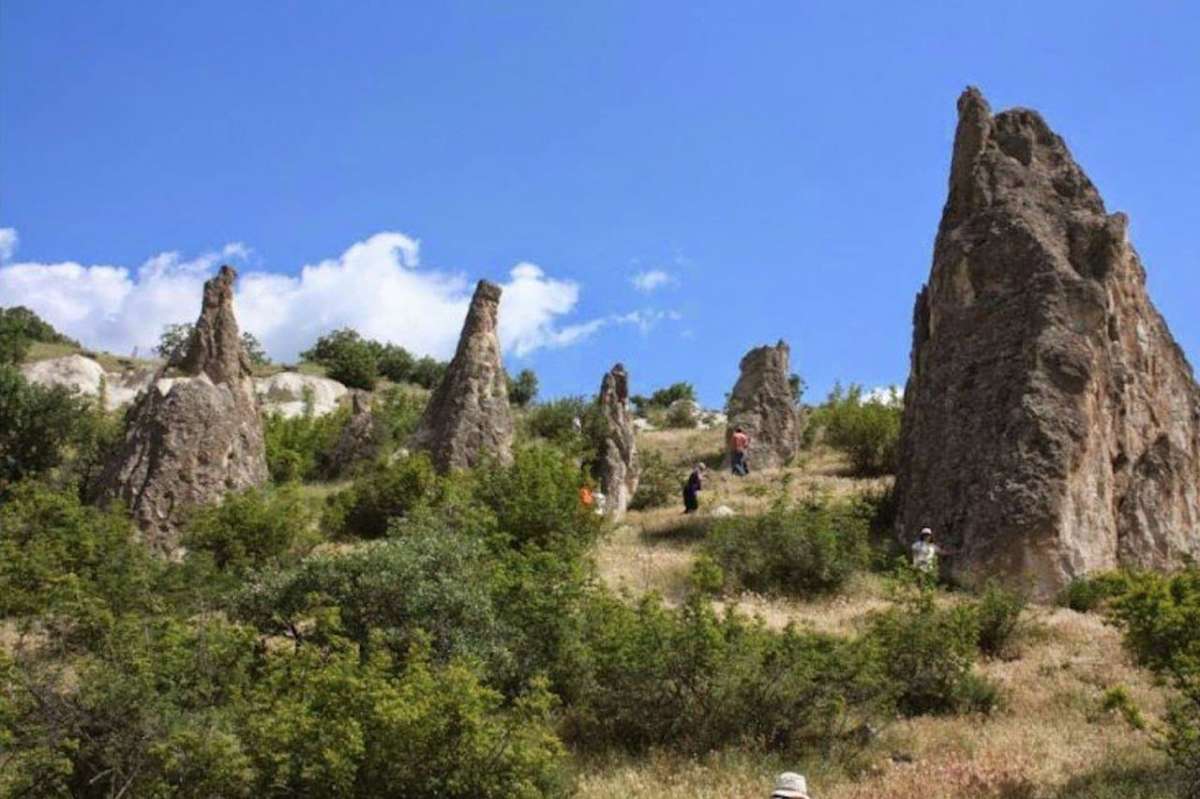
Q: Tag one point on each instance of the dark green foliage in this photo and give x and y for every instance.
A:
(423, 583)
(575, 425)
(358, 362)
(60, 557)
(1085, 594)
(523, 388)
(651, 677)
(21, 327)
(681, 416)
(39, 426)
(797, 385)
(201, 709)
(998, 614)
(400, 410)
(664, 397)
(381, 493)
(868, 431)
(797, 548)
(928, 652)
(660, 483)
(249, 529)
(298, 448)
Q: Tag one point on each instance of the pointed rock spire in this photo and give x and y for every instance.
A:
(762, 404)
(618, 468)
(468, 417)
(1051, 424)
(190, 439)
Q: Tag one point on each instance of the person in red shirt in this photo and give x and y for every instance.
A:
(740, 443)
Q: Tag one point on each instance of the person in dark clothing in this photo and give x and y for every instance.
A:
(691, 503)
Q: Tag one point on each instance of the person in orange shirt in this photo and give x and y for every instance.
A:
(740, 444)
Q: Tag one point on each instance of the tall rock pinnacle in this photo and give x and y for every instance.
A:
(468, 417)
(762, 404)
(1051, 423)
(194, 435)
(618, 467)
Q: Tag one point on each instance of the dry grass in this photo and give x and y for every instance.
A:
(1051, 740)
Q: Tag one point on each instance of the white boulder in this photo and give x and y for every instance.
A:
(285, 393)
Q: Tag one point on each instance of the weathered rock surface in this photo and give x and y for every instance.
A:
(89, 378)
(468, 417)
(361, 439)
(1051, 423)
(193, 437)
(285, 393)
(618, 468)
(762, 404)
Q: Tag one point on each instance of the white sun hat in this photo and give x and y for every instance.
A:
(790, 785)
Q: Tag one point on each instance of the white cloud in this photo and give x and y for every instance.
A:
(650, 280)
(8, 242)
(377, 286)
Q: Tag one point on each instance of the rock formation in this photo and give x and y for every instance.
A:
(618, 467)
(1050, 422)
(292, 394)
(762, 404)
(360, 439)
(468, 417)
(192, 436)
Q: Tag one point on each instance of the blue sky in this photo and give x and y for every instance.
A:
(784, 164)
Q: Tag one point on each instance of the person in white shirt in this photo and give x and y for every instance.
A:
(925, 552)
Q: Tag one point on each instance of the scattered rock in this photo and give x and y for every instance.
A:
(723, 511)
(643, 425)
(619, 469)
(762, 404)
(287, 393)
(89, 378)
(361, 438)
(193, 437)
(1051, 423)
(468, 417)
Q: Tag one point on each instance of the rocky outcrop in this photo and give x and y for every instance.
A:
(1051, 423)
(361, 439)
(194, 433)
(618, 465)
(86, 376)
(762, 404)
(468, 417)
(292, 394)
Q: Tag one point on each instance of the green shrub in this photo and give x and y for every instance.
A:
(929, 652)
(1085, 594)
(249, 529)
(400, 411)
(523, 388)
(868, 431)
(1118, 700)
(39, 427)
(659, 484)
(347, 358)
(681, 416)
(998, 612)
(298, 448)
(648, 677)
(379, 494)
(706, 576)
(424, 584)
(797, 548)
(664, 398)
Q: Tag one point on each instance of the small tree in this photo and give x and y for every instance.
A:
(523, 388)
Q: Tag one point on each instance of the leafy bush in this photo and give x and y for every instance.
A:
(423, 585)
(395, 363)
(381, 493)
(249, 529)
(1085, 594)
(928, 652)
(998, 614)
(347, 358)
(648, 676)
(796, 548)
(298, 448)
(39, 427)
(57, 555)
(660, 483)
(523, 388)
(866, 430)
(20, 327)
(664, 397)
(681, 416)
(400, 411)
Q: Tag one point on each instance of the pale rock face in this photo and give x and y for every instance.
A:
(194, 437)
(284, 393)
(1051, 423)
(619, 468)
(82, 374)
(762, 404)
(468, 418)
